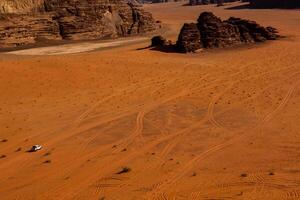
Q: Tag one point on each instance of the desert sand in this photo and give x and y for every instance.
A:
(124, 123)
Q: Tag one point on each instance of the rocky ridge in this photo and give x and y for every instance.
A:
(27, 21)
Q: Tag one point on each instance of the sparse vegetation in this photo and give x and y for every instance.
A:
(18, 149)
(124, 170)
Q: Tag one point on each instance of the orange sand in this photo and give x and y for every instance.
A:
(213, 125)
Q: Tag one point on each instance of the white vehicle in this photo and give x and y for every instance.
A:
(35, 148)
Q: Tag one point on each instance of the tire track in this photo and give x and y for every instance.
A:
(169, 147)
(214, 149)
(211, 106)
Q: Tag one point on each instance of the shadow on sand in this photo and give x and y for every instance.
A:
(240, 7)
(248, 6)
(165, 49)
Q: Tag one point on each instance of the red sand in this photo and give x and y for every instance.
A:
(213, 125)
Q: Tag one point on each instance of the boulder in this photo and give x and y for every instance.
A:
(158, 41)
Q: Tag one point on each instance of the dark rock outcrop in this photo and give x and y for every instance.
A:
(189, 38)
(216, 33)
(212, 32)
(26, 21)
(250, 31)
(158, 41)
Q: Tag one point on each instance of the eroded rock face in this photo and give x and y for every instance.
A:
(216, 33)
(212, 32)
(250, 31)
(26, 21)
(21, 6)
(189, 39)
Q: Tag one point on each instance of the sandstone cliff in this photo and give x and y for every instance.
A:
(27, 21)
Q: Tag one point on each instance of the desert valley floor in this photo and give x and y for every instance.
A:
(219, 124)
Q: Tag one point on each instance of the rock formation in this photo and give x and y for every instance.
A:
(250, 31)
(216, 33)
(189, 38)
(26, 21)
(212, 32)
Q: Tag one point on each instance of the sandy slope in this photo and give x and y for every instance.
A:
(214, 125)
(79, 47)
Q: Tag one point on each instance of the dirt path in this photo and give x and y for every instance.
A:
(78, 47)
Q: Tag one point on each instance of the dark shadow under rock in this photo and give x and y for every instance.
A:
(239, 7)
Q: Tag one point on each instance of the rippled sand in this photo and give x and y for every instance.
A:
(220, 124)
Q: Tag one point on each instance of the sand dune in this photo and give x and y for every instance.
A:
(221, 124)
